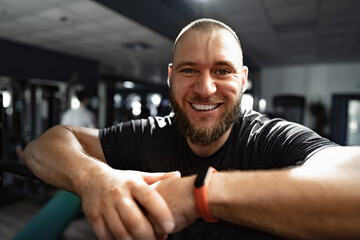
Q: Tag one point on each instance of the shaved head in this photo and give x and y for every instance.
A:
(204, 24)
(206, 80)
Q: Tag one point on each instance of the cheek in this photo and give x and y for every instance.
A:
(231, 89)
(177, 94)
(180, 87)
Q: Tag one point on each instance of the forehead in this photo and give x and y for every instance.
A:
(207, 45)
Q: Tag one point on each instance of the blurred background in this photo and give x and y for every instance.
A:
(303, 57)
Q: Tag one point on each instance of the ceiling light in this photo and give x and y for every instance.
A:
(128, 84)
(6, 98)
(156, 99)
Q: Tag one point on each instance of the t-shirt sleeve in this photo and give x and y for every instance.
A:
(127, 145)
(119, 143)
(280, 143)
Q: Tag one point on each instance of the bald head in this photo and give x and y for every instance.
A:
(206, 25)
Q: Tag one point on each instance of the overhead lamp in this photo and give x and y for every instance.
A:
(136, 108)
(6, 98)
(155, 99)
(128, 84)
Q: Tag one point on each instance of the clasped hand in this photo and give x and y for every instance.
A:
(136, 205)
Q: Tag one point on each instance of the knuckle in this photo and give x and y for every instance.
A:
(130, 184)
(148, 197)
(133, 222)
(115, 192)
(93, 216)
(103, 201)
(107, 198)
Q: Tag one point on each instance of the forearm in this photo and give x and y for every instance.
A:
(308, 202)
(72, 158)
(58, 158)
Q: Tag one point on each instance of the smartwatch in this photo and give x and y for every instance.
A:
(200, 193)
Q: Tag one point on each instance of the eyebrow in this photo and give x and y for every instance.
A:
(184, 63)
(225, 63)
(219, 63)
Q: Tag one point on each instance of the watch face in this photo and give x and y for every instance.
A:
(201, 177)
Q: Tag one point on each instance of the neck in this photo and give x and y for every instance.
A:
(205, 151)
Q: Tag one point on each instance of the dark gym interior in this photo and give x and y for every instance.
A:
(303, 58)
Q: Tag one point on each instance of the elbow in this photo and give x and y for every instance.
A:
(39, 143)
(25, 153)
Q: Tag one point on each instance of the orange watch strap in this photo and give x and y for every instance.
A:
(201, 197)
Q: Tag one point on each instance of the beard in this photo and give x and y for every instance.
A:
(205, 135)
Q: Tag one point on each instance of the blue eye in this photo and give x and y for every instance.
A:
(222, 72)
(187, 70)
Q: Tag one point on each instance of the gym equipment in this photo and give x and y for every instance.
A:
(54, 217)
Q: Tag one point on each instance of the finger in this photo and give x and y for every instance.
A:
(173, 174)
(161, 236)
(115, 225)
(100, 229)
(134, 219)
(151, 178)
(156, 208)
(157, 230)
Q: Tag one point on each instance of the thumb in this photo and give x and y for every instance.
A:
(151, 178)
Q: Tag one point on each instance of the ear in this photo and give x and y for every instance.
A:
(245, 72)
(169, 74)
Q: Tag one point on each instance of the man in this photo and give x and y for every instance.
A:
(207, 79)
(80, 116)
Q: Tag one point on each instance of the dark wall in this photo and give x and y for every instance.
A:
(24, 61)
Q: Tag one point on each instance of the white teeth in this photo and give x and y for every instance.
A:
(204, 107)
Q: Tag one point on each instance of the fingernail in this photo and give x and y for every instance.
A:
(168, 226)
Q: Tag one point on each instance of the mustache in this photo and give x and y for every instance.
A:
(209, 100)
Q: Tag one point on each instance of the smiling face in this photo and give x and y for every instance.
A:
(206, 80)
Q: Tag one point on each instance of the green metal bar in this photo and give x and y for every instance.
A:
(53, 218)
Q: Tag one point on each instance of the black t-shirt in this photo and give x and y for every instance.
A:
(255, 142)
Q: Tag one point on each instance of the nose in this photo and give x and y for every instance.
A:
(205, 85)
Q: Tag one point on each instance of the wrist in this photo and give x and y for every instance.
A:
(84, 179)
(213, 197)
(201, 185)
(223, 196)
(194, 212)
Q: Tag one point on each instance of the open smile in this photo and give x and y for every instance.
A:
(205, 107)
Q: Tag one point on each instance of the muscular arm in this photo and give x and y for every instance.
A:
(71, 158)
(318, 200)
(63, 156)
